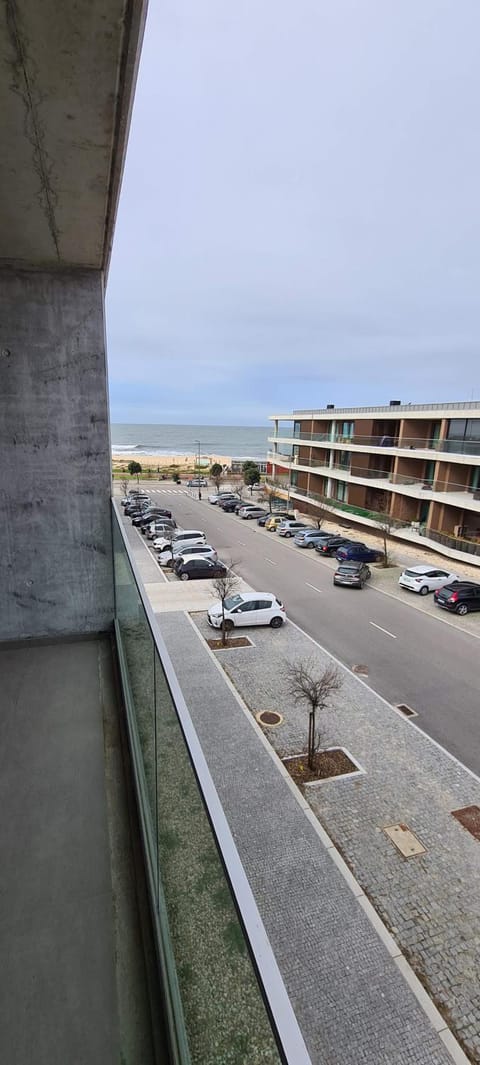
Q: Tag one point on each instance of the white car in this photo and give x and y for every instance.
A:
(160, 528)
(248, 608)
(425, 579)
(196, 551)
(193, 536)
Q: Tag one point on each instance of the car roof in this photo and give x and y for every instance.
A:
(256, 595)
(424, 568)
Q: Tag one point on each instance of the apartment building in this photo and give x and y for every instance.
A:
(418, 463)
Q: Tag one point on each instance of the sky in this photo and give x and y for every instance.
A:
(299, 222)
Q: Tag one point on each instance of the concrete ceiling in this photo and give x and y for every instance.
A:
(67, 78)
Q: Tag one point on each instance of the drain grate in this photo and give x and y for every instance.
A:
(362, 669)
(407, 710)
(269, 717)
(469, 817)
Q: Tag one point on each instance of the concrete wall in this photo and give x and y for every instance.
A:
(55, 536)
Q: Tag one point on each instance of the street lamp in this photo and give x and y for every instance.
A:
(197, 442)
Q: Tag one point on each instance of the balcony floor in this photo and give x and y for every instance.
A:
(73, 977)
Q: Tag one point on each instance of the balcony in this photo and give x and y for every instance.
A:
(383, 444)
(455, 494)
(414, 532)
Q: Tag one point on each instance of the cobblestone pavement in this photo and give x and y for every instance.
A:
(351, 1001)
(430, 903)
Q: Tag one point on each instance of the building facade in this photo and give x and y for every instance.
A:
(417, 463)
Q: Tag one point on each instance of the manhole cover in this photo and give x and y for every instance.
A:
(407, 710)
(269, 717)
(469, 817)
(363, 670)
(404, 840)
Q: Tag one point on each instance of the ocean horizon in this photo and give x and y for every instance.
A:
(235, 441)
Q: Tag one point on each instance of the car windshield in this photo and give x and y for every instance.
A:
(232, 601)
(348, 567)
(416, 572)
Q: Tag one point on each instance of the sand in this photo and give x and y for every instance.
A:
(182, 462)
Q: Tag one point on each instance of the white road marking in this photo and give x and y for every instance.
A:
(387, 633)
(314, 587)
(242, 542)
(272, 563)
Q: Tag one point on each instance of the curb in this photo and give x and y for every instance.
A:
(423, 998)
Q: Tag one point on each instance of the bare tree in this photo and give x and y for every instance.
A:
(270, 495)
(124, 486)
(386, 523)
(224, 587)
(168, 536)
(316, 690)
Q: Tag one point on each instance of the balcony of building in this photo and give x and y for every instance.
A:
(424, 447)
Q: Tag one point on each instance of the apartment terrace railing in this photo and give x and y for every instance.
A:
(221, 982)
(410, 443)
(386, 475)
(458, 543)
(333, 412)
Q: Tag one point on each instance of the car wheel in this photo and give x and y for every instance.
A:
(184, 577)
(462, 609)
(424, 589)
(310, 545)
(276, 623)
(228, 625)
(287, 535)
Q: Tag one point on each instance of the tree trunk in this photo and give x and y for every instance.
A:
(311, 740)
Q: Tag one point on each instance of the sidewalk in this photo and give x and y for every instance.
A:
(430, 903)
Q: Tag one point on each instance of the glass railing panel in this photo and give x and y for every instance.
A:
(138, 647)
(225, 1015)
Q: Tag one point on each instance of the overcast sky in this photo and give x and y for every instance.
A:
(299, 222)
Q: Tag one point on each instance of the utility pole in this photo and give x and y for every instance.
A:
(198, 466)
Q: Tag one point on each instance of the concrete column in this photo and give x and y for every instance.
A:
(55, 536)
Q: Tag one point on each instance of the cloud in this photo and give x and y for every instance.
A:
(300, 210)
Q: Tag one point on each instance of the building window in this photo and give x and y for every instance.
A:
(294, 477)
(345, 460)
(429, 475)
(341, 491)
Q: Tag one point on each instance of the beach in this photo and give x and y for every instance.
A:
(181, 463)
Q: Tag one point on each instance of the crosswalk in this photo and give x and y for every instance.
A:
(167, 491)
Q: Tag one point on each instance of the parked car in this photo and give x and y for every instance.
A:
(352, 574)
(357, 552)
(214, 498)
(291, 528)
(241, 505)
(137, 507)
(274, 520)
(158, 528)
(310, 537)
(248, 608)
(197, 482)
(460, 597)
(151, 515)
(199, 569)
(186, 537)
(330, 546)
(228, 505)
(425, 579)
(195, 551)
(247, 513)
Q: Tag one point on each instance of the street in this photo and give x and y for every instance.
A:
(411, 657)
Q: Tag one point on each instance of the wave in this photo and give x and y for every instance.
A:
(126, 447)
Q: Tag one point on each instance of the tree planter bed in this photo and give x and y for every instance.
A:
(233, 641)
(331, 763)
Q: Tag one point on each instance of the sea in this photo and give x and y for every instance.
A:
(236, 441)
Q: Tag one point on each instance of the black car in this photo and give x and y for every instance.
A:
(330, 545)
(228, 505)
(151, 515)
(460, 597)
(199, 569)
(352, 574)
(134, 508)
(275, 514)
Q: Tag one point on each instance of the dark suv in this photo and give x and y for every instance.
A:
(460, 597)
(352, 574)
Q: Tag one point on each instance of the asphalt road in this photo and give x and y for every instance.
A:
(411, 657)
